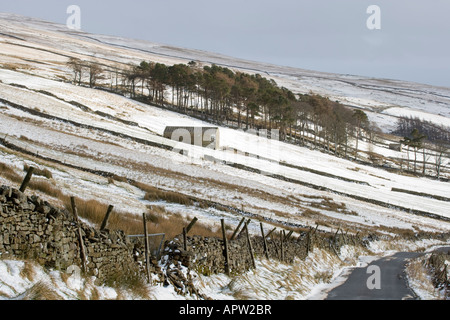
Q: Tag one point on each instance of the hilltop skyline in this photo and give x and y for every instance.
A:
(326, 36)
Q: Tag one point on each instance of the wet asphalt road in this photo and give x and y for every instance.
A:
(383, 279)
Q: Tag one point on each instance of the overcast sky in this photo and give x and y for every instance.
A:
(325, 35)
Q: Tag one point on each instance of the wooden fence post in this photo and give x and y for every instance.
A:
(105, 220)
(282, 235)
(245, 224)
(336, 234)
(80, 236)
(27, 179)
(264, 241)
(225, 242)
(189, 227)
(308, 241)
(237, 229)
(272, 231)
(185, 239)
(250, 248)
(289, 235)
(315, 230)
(147, 260)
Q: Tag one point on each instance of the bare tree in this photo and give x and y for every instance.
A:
(131, 77)
(95, 71)
(440, 150)
(361, 120)
(77, 67)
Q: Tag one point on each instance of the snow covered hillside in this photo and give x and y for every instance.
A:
(383, 99)
(77, 132)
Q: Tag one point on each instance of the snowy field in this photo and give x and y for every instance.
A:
(338, 175)
(286, 184)
(379, 95)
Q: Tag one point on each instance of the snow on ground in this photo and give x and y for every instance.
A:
(420, 279)
(308, 279)
(25, 280)
(33, 65)
(404, 112)
(273, 280)
(379, 181)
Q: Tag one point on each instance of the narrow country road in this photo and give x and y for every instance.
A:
(383, 279)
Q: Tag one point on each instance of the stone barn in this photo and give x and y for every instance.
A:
(396, 147)
(207, 137)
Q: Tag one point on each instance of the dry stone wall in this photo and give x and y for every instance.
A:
(438, 264)
(207, 255)
(31, 228)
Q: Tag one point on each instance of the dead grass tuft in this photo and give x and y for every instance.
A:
(39, 172)
(28, 271)
(9, 173)
(41, 291)
(45, 187)
(155, 194)
(158, 219)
